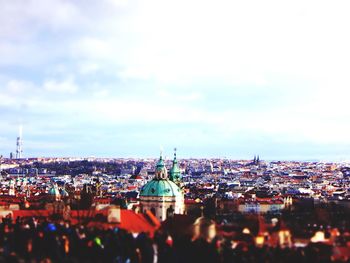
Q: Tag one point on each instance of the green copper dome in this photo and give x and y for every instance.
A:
(159, 188)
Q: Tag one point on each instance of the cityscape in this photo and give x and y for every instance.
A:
(269, 209)
(185, 131)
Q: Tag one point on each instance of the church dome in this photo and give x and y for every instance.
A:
(163, 187)
(161, 196)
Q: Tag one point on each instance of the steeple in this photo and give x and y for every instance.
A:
(175, 174)
(175, 160)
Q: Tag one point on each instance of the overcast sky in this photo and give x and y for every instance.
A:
(122, 78)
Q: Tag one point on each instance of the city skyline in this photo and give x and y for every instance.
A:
(18, 154)
(215, 79)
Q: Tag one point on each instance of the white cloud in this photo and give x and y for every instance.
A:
(262, 67)
(88, 67)
(18, 86)
(65, 86)
(119, 3)
(93, 48)
(55, 14)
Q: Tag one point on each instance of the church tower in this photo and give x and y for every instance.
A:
(175, 174)
(162, 196)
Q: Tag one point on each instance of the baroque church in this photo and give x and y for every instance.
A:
(163, 195)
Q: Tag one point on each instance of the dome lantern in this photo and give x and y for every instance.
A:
(161, 171)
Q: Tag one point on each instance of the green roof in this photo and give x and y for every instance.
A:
(175, 173)
(162, 187)
(160, 164)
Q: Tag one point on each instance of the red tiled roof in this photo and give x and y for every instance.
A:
(137, 222)
(130, 221)
(152, 218)
(30, 213)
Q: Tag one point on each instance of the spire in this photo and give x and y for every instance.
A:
(19, 150)
(175, 154)
(161, 153)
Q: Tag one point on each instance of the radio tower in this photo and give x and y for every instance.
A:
(19, 150)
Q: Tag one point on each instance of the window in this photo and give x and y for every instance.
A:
(170, 211)
(153, 211)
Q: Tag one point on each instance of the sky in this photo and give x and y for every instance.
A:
(124, 78)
